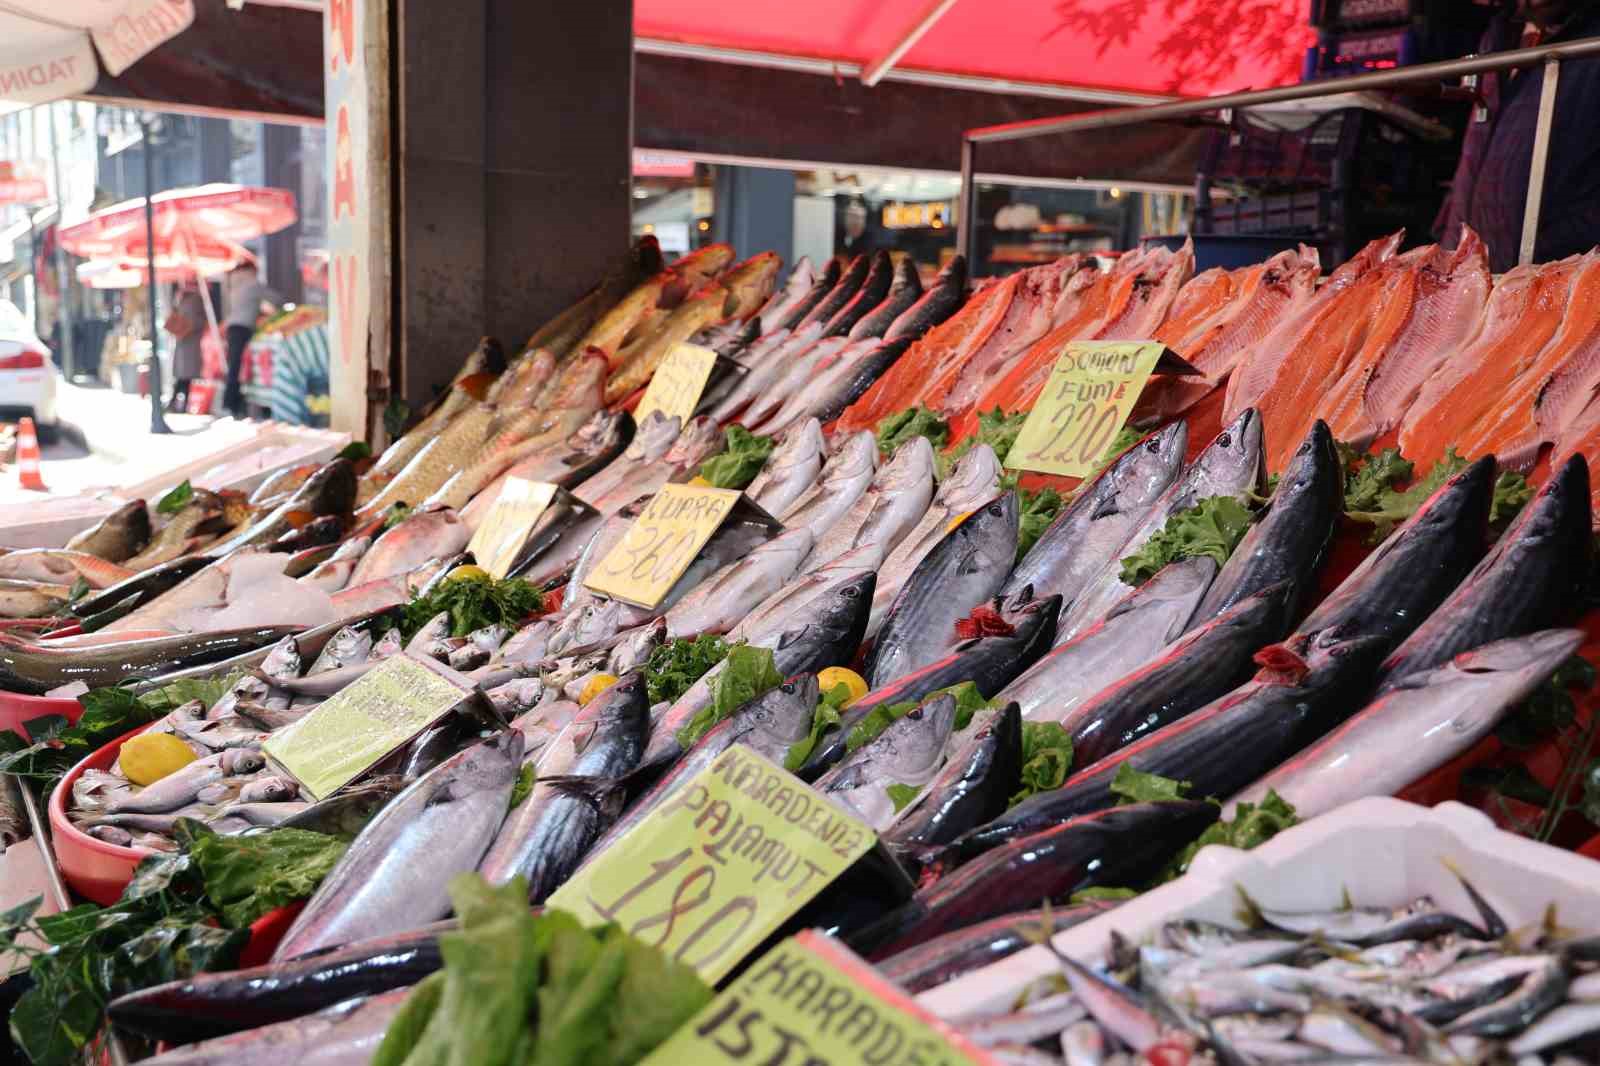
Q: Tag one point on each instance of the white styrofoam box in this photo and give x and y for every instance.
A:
(1376, 852)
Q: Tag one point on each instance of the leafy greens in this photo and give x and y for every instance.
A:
(742, 456)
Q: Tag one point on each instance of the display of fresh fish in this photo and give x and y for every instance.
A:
(118, 536)
(893, 504)
(1417, 725)
(873, 291)
(791, 470)
(637, 361)
(1289, 540)
(31, 599)
(395, 874)
(1532, 578)
(1087, 532)
(965, 569)
(908, 753)
(36, 669)
(185, 531)
(719, 602)
(950, 955)
(485, 363)
(845, 477)
(245, 588)
(547, 834)
(821, 285)
(62, 567)
(1229, 466)
(451, 451)
(1203, 665)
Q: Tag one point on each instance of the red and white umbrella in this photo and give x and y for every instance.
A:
(184, 221)
(48, 47)
(208, 261)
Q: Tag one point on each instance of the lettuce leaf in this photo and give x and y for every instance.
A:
(826, 717)
(1394, 506)
(1252, 824)
(678, 664)
(894, 430)
(1038, 510)
(741, 459)
(995, 428)
(750, 672)
(247, 876)
(1136, 786)
(1367, 477)
(1213, 527)
(1046, 758)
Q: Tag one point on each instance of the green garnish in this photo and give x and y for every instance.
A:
(995, 428)
(678, 664)
(1038, 510)
(1212, 527)
(174, 501)
(355, 451)
(397, 513)
(829, 705)
(524, 786)
(1136, 786)
(1252, 824)
(900, 795)
(472, 605)
(894, 430)
(1046, 758)
(741, 459)
(749, 673)
(1367, 477)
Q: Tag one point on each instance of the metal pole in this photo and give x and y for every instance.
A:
(1541, 156)
(63, 277)
(1382, 79)
(967, 207)
(936, 11)
(158, 421)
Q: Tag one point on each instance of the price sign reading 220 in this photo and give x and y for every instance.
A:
(661, 543)
(1090, 394)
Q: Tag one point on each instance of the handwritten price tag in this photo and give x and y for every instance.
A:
(661, 543)
(357, 727)
(504, 530)
(812, 1001)
(720, 865)
(1090, 394)
(676, 386)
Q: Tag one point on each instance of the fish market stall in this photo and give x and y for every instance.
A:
(750, 621)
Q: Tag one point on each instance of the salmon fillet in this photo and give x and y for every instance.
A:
(1028, 318)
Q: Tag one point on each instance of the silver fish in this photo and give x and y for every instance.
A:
(1089, 531)
(345, 1034)
(844, 478)
(1230, 466)
(541, 725)
(718, 603)
(333, 574)
(790, 470)
(797, 374)
(1153, 616)
(965, 569)
(179, 788)
(345, 648)
(772, 356)
(887, 512)
(425, 535)
(908, 752)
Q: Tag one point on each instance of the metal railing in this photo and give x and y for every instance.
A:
(1550, 56)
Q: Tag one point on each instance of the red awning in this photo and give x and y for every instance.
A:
(1186, 47)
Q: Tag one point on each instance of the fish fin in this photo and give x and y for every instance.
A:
(1105, 509)
(1281, 664)
(1249, 912)
(1493, 925)
(477, 385)
(607, 795)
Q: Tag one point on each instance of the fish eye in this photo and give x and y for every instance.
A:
(1225, 440)
(995, 509)
(788, 687)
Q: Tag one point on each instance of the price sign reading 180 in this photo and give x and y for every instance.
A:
(1087, 401)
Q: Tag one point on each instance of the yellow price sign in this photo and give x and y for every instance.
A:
(675, 388)
(499, 539)
(661, 543)
(1086, 402)
(811, 1000)
(708, 875)
(357, 727)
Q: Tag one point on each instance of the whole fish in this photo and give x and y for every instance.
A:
(607, 535)
(1534, 576)
(974, 481)
(975, 786)
(200, 518)
(31, 599)
(1086, 535)
(450, 451)
(905, 289)
(800, 366)
(908, 753)
(965, 569)
(790, 470)
(209, 1005)
(990, 661)
(803, 589)
(806, 635)
(424, 535)
(636, 361)
(544, 838)
(334, 573)
(1422, 562)
(562, 334)
(595, 444)
(770, 725)
(821, 285)
(850, 282)
(238, 817)
(950, 955)
(395, 874)
(893, 504)
(731, 337)
(1202, 666)
(818, 390)
(345, 1034)
(36, 669)
(844, 478)
(62, 567)
(347, 647)
(765, 362)
(541, 726)
(719, 602)
(278, 484)
(347, 812)
(1290, 541)
(873, 291)
(537, 560)
(181, 787)
(1418, 724)
(331, 490)
(1230, 466)
(1119, 846)
(1219, 749)
(98, 608)
(524, 380)
(485, 362)
(118, 536)
(700, 439)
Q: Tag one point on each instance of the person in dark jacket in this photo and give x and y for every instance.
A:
(1491, 181)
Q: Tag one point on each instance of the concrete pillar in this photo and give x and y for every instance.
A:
(754, 210)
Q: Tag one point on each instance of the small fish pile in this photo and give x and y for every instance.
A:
(1401, 986)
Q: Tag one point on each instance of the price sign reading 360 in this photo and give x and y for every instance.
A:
(661, 543)
(1087, 401)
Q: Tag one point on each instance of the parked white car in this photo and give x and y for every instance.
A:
(27, 376)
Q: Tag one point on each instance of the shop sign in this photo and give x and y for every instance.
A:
(811, 1001)
(648, 164)
(675, 388)
(719, 865)
(353, 730)
(661, 543)
(499, 539)
(918, 216)
(1086, 402)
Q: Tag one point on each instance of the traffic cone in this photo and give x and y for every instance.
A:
(28, 473)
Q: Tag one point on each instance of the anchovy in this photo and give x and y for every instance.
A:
(1230, 466)
(549, 832)
(1533, 577)
(1088, 532)
(1290, 541)
(965, 569)
(395, 874)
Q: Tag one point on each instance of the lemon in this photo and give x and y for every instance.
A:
(956, 521)
(149, 757)
(597, 684)
(469, 573)
(700, 482)
(837, 675)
